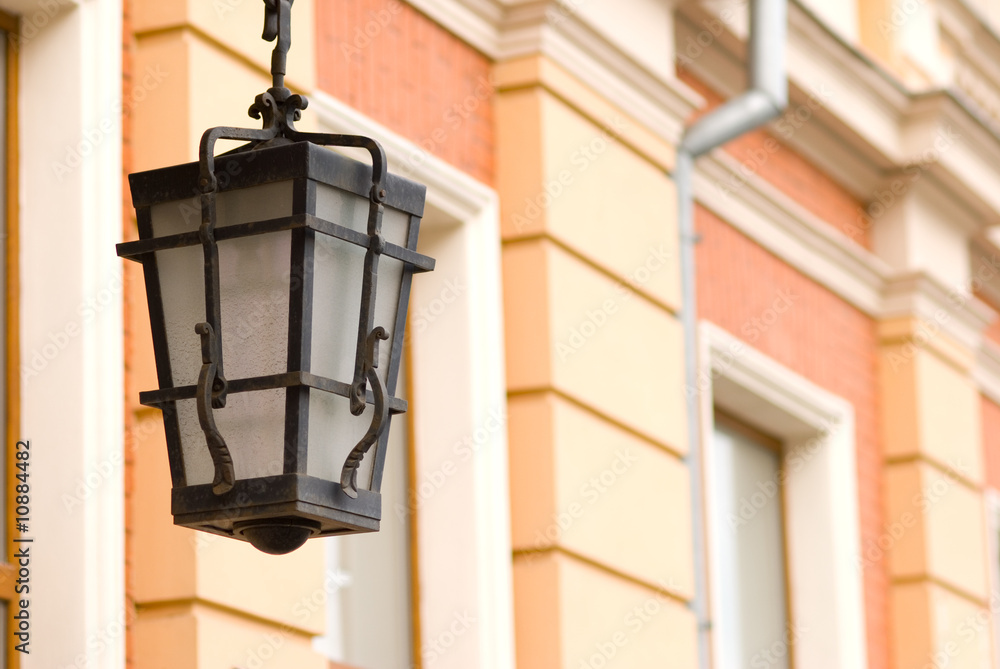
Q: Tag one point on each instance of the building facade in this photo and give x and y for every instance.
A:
(546, 501)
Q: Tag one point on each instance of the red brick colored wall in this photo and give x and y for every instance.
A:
(765, 156)
(993, 331)
(387, 60)
(820, 337)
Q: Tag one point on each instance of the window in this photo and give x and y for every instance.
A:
(748, 549)
(813, 505)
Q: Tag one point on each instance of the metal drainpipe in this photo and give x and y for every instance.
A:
(765, 100)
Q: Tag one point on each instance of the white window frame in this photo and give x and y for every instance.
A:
(825, 579)
(73, 411)
(458, 391)
(991, 499)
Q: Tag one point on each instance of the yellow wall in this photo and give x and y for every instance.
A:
(601, 515)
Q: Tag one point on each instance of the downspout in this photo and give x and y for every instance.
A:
(766, 99)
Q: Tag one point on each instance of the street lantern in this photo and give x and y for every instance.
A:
(291, 264)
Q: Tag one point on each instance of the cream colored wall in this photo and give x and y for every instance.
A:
(935, 542)
(601, 516)
(203, 601)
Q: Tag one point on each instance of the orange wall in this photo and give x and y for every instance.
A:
(991, 442)
(389, 61)
(820, 337)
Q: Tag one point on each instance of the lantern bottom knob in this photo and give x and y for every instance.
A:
(276, 536)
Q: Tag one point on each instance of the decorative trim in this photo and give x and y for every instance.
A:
(817, 429)
(475, 21)
(662, 105)
(505, 30)
(772, 219)
(79, 55)
(986, 372)
(961, 316)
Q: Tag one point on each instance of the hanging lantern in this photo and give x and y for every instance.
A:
(277, 277)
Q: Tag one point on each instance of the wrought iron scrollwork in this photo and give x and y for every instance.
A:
(349, 475)
(209, 397)
(278, 109)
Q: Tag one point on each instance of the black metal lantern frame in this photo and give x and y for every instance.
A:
(278, 512)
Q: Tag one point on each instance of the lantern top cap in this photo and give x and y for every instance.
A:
(299, 160)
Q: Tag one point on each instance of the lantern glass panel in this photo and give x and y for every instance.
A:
(254, 293)
(339, 272)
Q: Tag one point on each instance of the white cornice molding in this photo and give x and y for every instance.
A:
(870, 128)
(961, 315)
(779, 224)
(477, 22)
(659, 104)
(503, 30)
(805, 242)
(986, 371)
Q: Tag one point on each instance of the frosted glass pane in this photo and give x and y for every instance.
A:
(254, 287)
(333, 432)
(338, 278)
(253, 425)
(748, 542)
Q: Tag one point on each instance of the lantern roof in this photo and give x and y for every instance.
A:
(248, 167)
